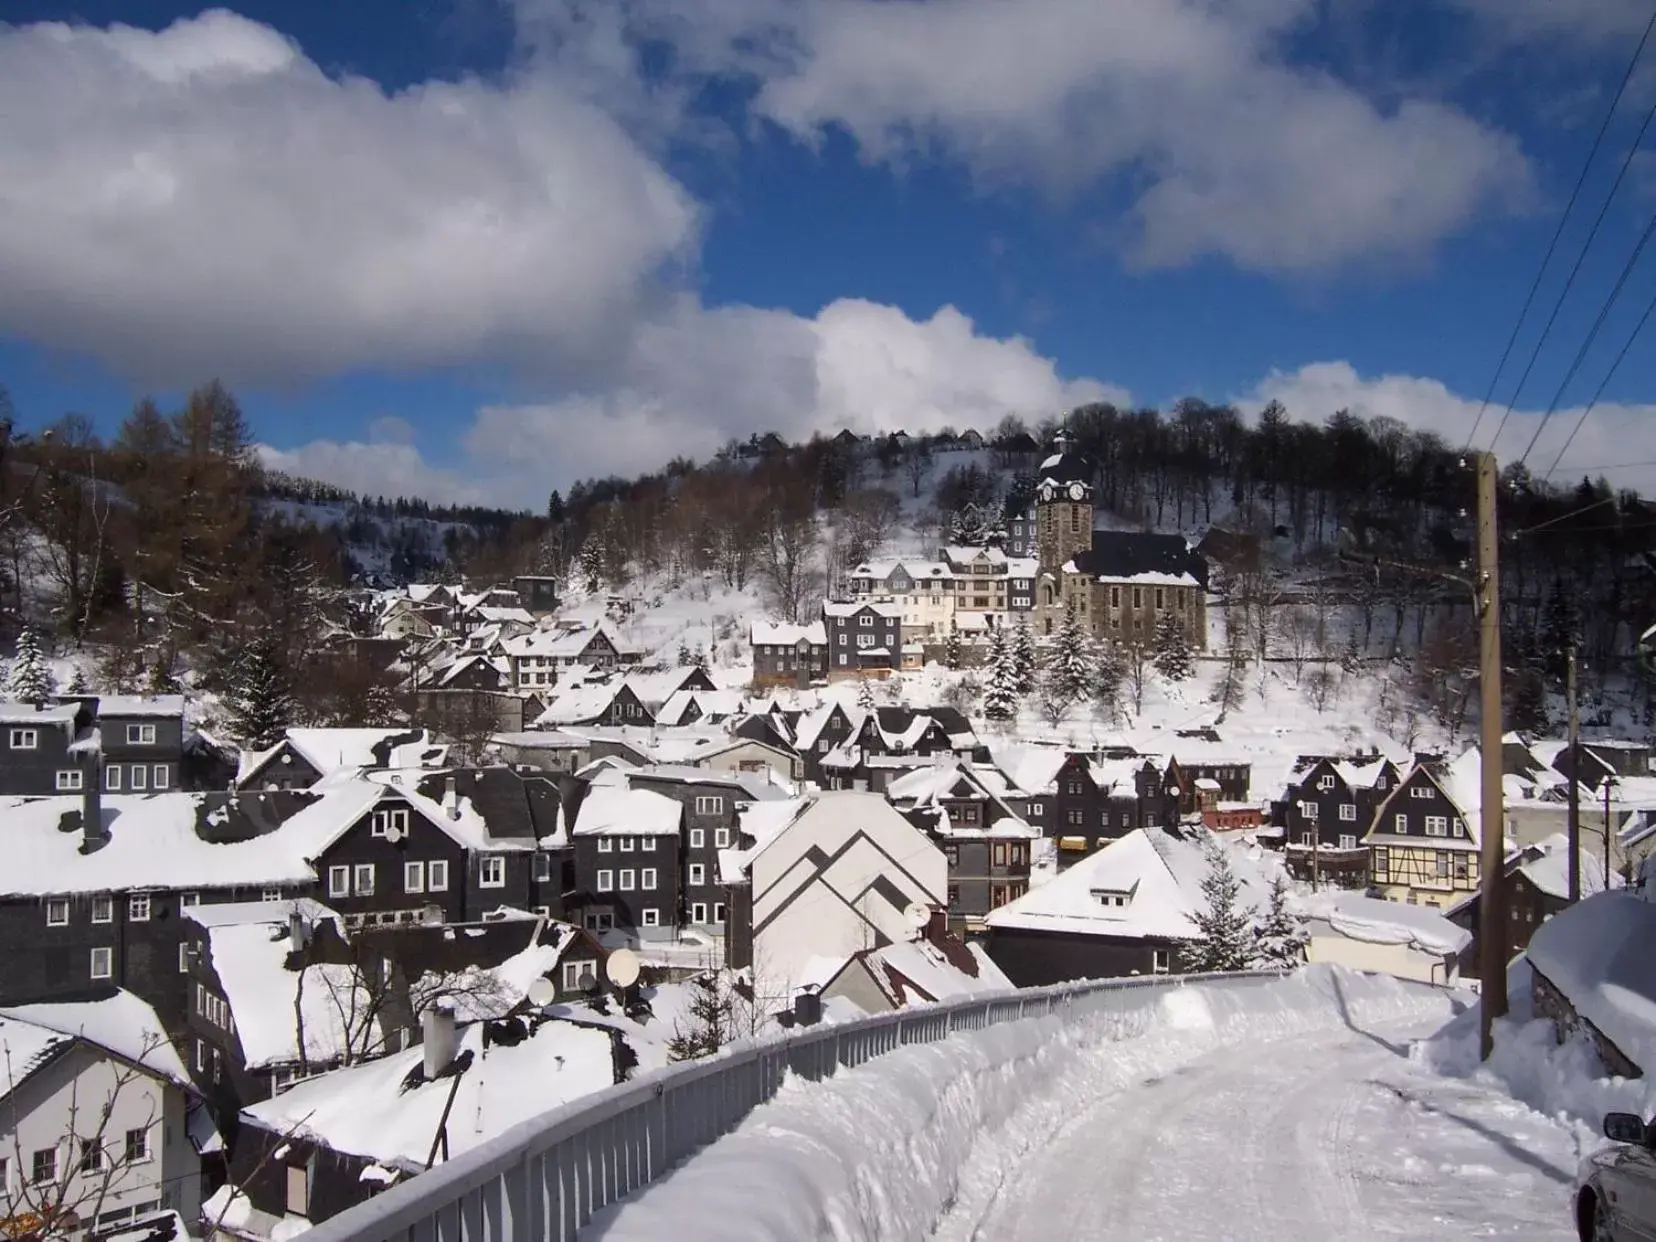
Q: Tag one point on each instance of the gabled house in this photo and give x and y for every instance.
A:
(46, 750)
(1227, 776)
(628, 862)
(744, 755)
(821, 731)
(538, 593)
(824, 875)
(1423, 842)
(141, 740)
(863, 638)
(1537, 881)
(478, 673)
(788, 655)
(1328, 810)
(99, 1119)
(306, 756)
(934, 966)
(1084, 802)
(1119, 911)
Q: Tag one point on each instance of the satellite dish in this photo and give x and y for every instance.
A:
(393, 833)
(622, 968)
(541, 992)
(917, 915)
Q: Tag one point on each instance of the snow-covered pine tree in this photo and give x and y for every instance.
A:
(1281, 937)
(700, 658)
(380, 707)
(1000, 700)
(261, 696)
(78, 684)
(1109, 671)
(162, 679)
(31, 678)
(590, 566)
(865, 694)
(685, 658)
(951, 648)
(1024, 664)
(1226, 933)
(1072, 670)
(1172, 649)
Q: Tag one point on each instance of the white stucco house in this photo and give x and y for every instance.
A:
(96, 1118)
(831, 874)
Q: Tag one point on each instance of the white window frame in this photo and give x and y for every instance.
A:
(698, 874)
(112, 778)
(542, 867)
(721, 838)
(57, 912)
(698, 912)
(646, 845)
(103, 908)
(649, 917)
(628, 880)
(138, 779)
(339, 881)
(491, 871)
(160, 777)
(647, 878)
(140, 735)
(388, 817)
(1161, 961)
(270, 894)
(1325, 782)
(102, 962)
(414, 877)
(184, 957)
(1348, 840)
(1308, 810)
(1348, 812)
(1437, 825)
(572, 976)
(606, 881)
(437, 878)
(1400, 824)
(606, 845)
(25, 739)
(718, 911)
(70, 780)
(628, 845)
(698, 838)
(358, 872)
(709, 804)
(138, 908)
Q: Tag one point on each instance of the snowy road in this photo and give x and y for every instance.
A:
(1330, 1135)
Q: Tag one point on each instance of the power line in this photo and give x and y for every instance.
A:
(1604, 383)
(1592, 333)
(1552, 245)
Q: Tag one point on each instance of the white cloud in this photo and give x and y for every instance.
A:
(1195, 109)
(1612, 434)
(382, 469)
(697, 378)
(1597, 24)
(204, 200)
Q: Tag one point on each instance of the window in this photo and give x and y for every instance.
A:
(698, 874)
(952, 853)
(492, 872)
(1401, 824)
(698, 912)
(627, 845)
(646, 845)
(718, 912)
(1161, 598)
(45, 1166)
(709, 804)
(1421, 791)
(1034, 810)
(269, 894)
(112, 778)
(138, 908)
(867, 640)
(572, 975)
(25, 739)
(647, 878)
(339, 881)
(103, 963)
(103, 909)
(842, 661)
(865, 620)
(1442, 865)
(184, 957)
(1161, 961)
(543, 868)
(1348, 811)
(1308, 810)
(91, 1157)
(395, 817)
(364, 879)
(1075, 816)
(721, 837)
(606, 845)
(1460, 828)
(137, 781)
(414, 877)
(140, 735)
(650, 917)
(137, 1145)
(160, 777)
(1437, 825)
(1138, 597)
(1348, 841)
(606, 881)
(69, 780)
(1000, 854)
(1462, 871)
(697, 838)
(57, 912)
(437, 876)
(1382, 861)
(628, 876)
(1325, 781)
(298, 1190)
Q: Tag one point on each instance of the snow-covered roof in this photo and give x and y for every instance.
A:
(1385, 922)
(1597, 953)
(966, 554)
(577, 704)
(763, 822)
(124, 1024)
(1547, 866)
(786, 634)
(928, 974)
(879, 608)
(709, 702)
(153, 843)
(497, 666)
(371, 1110)
(170, 705)
(336, 750)
(1075, 902)
(609, 811)
(63, 715)
(1031, 769)
(752, 786)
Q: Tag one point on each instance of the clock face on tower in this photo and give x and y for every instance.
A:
(1076, 491)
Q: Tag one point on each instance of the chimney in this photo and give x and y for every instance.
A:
(807, 1007)
(296, 931)
(93, 833)
(451, 800)
(437, 1038)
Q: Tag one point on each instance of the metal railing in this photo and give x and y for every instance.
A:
(546, 1178)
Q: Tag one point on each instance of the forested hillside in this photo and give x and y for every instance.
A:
(168, 546)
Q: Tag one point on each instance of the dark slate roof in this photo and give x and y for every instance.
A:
(515, 805)
(1124, 553)
(1068, 468)
(241, 815)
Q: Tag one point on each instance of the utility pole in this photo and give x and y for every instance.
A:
(1492, 929)
(1610, 783)
(1575, 772)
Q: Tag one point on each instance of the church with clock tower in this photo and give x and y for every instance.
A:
(1118, 582)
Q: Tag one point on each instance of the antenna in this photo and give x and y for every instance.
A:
(542, 992)
(917, 915)
(622, 968)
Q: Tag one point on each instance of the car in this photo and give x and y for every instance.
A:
(1615, 1195)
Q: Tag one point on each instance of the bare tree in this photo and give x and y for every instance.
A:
(916, 463)
(787, 559)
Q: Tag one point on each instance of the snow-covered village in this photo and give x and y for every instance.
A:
(832, 620)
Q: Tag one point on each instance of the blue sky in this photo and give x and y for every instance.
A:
(474, 249)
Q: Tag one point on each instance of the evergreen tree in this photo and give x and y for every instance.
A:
(951, 648)
(685, 659)
(708, 1025)
(78, 684)
(1023, 656)
(590, 566)
(31, 677)
(1072, 670)
(555, 507)
(1281, 937)
(1560, 630)
(1000, 701)
(1351, 655)
(1109, 671)
(380, 707)
(1172, 657)
(1226, 936)
(1528, 713)
(865, 694)
(700, 658)
(261, 698)
(162, 679)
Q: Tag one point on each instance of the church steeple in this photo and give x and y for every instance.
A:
(1063, 506)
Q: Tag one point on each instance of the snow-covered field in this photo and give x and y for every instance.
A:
(1295, 1109)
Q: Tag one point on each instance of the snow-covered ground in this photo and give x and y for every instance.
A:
(1296, 1109)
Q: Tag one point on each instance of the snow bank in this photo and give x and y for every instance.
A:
(1565, 1082)
(884, 1151)
(1598, 954)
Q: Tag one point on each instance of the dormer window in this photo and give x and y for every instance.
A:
(390, 818)
(1325, 782)
(1112, 898)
